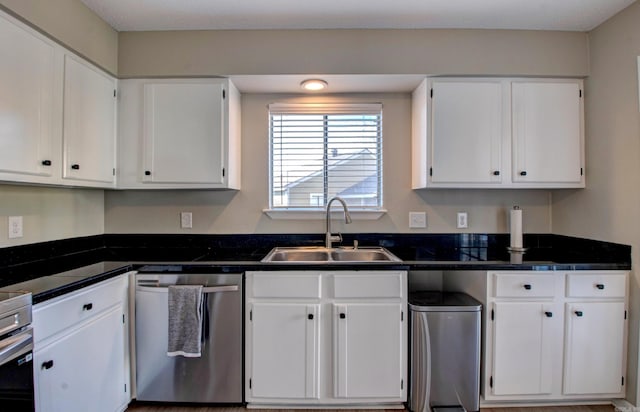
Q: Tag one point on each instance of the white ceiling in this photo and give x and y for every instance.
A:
(141, 15)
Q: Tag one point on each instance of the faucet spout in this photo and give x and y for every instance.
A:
(347, 219)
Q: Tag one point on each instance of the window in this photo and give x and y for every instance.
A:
(318, 151)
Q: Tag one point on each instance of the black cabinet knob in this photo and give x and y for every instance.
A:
(46, 163)
(87, 306)
(496, 173)
(47, 365)
(75, 167)
(548, 314)
(147, 173)
(343, 316)
(527, 286)
(523, 173)
(310, 316)
(600, 286)
(578, 313)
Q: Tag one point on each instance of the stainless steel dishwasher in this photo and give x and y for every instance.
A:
(445, 352)
(216, 376)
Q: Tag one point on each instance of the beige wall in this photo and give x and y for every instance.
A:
(241, 212)
(72, 24)
(492, 52)
(609, 208)
(50, 213)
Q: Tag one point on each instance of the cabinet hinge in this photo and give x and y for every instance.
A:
(493, 315)
(431, 171)
(224, 94)
(491, 381)
(431, 93)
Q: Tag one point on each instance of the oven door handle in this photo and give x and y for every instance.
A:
(15, 346)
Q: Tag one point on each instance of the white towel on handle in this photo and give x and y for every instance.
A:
(185, 321)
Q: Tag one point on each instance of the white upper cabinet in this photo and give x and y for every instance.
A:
(57, 113)
(179, 133)
(498, 133)
(547, 132)
(27, 85)
(89, 124)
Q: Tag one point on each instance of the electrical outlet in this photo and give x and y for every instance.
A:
(15, 227)
(417, 220)
(186, 220)
(462, 222)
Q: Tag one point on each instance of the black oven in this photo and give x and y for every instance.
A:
(16, 353)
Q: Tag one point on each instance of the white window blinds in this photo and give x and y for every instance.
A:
(319, 151)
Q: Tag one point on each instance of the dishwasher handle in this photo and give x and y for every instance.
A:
(162, 287)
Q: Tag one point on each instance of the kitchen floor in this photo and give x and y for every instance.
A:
(163, 408)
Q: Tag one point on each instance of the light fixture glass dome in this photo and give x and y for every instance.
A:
(314, 85)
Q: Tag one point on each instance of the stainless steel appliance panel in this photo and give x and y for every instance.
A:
(214, 377)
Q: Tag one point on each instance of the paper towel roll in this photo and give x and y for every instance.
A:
(516, 227)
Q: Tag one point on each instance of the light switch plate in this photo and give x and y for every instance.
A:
(462, 222)
(417, 220)
(186, 220)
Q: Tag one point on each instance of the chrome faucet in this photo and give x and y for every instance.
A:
(347, 219)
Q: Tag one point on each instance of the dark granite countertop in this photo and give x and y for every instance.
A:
(51, 269)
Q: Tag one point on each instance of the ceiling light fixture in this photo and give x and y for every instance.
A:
(314, 85)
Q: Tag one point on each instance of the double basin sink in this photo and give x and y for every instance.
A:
(329, 255)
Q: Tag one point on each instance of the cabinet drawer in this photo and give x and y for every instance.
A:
(524, 285)
(597, 285)
(58, 314)
(368, 285)
(285, 285)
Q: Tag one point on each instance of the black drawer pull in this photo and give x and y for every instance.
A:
(548, 314)
(523, 173)
(527, 286)
(147, 173)
(343, 316)
(496, 173)
(87, 306)
(46, 163)
(47, 365)
(75, 167)
(600, 286)
(310, 316)
(578, 313)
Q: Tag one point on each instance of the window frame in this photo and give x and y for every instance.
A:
(360, 212)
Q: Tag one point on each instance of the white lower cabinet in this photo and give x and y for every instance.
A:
(81, 350)
(550, 335)
(326, 338)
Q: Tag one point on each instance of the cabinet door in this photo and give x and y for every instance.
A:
(547, 132)
(368, 350)
(26, 102)
(183, 133)
(84, 370)
(594, 348)
(466, 132)
(284, 350)
(89, 123)
(522, 348)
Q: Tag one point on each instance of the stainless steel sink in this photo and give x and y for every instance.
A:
(326, 255)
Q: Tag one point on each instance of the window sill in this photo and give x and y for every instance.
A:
(302, 214)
